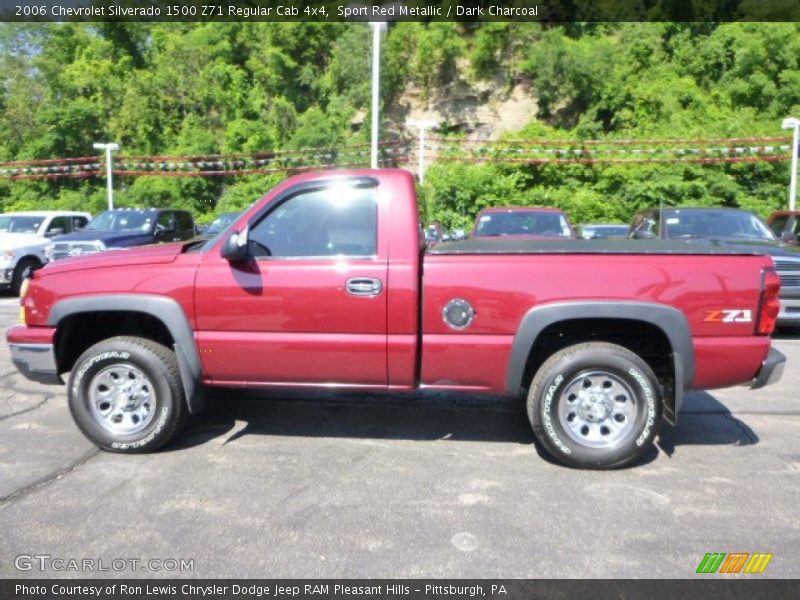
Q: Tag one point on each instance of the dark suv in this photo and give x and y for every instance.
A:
(123, 228)
(728, 227)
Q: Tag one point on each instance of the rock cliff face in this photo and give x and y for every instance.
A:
(483, 109)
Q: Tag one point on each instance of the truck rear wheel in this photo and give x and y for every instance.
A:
(126, 395)
(595, 406)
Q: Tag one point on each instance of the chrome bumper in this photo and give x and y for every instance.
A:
(36, 361)
(790, 310)
(771, 369)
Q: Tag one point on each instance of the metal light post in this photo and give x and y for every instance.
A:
(792, 123)
(423, 126)
(109, 148)
(376, 77)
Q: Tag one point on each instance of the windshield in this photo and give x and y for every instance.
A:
(220, 223)
(20, 224)
(113, 220)
(523, 223)
(737, 224)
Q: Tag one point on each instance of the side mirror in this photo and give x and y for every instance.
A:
(643, 234)
(788, 237)
(235, 247)
(54, 232)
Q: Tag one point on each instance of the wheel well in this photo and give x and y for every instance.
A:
(640, 337)
(78, 332)
(30, 258)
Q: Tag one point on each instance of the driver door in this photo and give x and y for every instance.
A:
(309, 306)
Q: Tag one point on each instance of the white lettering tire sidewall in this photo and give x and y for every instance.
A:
(547, 389)
(78, 401)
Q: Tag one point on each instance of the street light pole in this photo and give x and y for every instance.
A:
(376, 77)
(423, 126)
(109, 148)
(792, 123)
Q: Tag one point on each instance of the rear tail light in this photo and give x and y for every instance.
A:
(770, 304)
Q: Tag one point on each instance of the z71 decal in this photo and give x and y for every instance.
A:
(729, 315)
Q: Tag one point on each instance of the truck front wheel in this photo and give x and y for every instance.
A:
(595, 405)
(125, 394)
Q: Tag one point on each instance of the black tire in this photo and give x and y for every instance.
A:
(19, 271)
(160, 385)
(562, 412)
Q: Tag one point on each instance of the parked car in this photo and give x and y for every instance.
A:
(434, 233)
(785, 224)
(322, 283)
(603, 231)
(727, 227)
(123, 228)
(523, 221)
(219, 224)
(24, 237)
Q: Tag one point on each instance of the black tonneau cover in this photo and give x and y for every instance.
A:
(504, 245)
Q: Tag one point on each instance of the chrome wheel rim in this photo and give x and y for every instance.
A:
(122, 399)
(597, 409)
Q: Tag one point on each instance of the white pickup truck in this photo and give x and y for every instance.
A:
(24, 236)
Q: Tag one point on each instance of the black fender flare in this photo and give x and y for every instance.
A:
(166, 310)
(671, 321)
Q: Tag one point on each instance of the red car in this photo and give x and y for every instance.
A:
(528, 221)
(322, 284)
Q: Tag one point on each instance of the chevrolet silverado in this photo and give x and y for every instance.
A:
(326, 281)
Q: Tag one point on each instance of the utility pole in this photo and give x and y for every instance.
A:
(423, 126)
(377, 26)
(792, 123)
(109, 148)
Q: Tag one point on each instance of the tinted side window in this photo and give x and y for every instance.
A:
(778, 225)
(166, 220)
(329, 222)
(646, 223)
(185, 223)
(61, 223)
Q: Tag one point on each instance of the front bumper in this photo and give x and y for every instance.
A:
(771, 369)
(36, 361)
(33, 353)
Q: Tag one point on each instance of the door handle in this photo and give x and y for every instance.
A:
(364, 286)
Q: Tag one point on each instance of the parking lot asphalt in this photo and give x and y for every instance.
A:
(431, 485)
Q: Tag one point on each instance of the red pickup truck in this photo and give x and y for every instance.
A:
(326, 282)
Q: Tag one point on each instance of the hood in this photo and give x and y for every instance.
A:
(109, 238)
(10, 241)
(141, 255)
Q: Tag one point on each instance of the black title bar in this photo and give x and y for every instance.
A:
(393, 589)
(546, 11)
